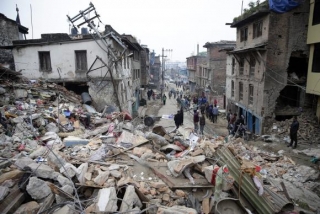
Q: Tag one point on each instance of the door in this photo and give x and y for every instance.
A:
(249, 122)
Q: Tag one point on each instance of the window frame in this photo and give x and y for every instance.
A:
(77, 57)
(241, 66)
(316, 58)
(244, 34)
(233, 64)
(316, 12)
(253, 62)
(240, 90)
(43, 64)
(232, 88)
(257, 29)
(251, 89)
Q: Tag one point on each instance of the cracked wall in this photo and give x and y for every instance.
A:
(287, 33)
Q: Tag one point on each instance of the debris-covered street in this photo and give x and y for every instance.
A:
(95, 121)
(56, 159)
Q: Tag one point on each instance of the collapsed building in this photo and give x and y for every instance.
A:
(269, 64)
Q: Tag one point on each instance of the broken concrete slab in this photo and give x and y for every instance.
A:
(301, 196)
(31, 207)
(107, 200)
(130, 199)
(37, 188)
(102, 177)
(63, 181)
(43, 171)
(23, 161)
(176, 210)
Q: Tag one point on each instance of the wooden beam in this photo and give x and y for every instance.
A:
(13, 201)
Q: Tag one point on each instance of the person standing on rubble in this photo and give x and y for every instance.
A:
(196, 121)
(202, 123)
(177, 119)
(294, 133)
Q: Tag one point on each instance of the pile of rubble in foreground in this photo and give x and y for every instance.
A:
(60, 156)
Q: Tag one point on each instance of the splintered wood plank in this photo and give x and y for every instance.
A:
(13, 201)
(47, 203)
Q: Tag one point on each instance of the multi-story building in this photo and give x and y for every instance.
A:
(193, 65)
(313, 82)
(145, 66)
(269, 64)
(215, 73)
(155, 72)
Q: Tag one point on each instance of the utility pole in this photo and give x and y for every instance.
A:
(163, 69)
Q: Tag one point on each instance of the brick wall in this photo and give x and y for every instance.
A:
(8, 32)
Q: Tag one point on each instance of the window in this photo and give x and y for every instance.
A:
(233, 65)
(45, 61)
(81, 60)
(232, 88)
(136, 55)
(244, 34)
(250, 94)
(257, 29)
(316, 58)
(240, 91)
(252, 65)
(316, 12)
(241, 66)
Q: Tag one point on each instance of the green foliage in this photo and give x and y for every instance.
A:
(253, 7)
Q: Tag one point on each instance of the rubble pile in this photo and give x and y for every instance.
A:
(59, 155)
(308, 130)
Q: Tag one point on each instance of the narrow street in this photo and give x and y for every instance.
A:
(171, 107)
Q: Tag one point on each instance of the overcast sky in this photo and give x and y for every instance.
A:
(170, 24)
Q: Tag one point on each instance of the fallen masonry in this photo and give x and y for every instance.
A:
(57, 157)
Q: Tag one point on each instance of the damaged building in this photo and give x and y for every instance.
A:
(82, 64)
(193, 65)
(269, 64)
(313, 86)
(10, 30)
(216, 66)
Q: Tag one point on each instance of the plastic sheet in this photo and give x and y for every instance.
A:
(258, 184)
(186, 172)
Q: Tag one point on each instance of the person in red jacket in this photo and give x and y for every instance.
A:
(196, 121)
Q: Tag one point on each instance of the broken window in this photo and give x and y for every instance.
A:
(244, 34)
(232, 88)
(233, 65)
(241, 65)
(81, 60)
(250, 94)
(316, 12)
(316, 58)
(252, 65)
(257, 29)
(45, 61)
(240, 91)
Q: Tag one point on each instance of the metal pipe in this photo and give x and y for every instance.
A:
(280, 203)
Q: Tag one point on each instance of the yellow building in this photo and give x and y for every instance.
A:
(313, 83)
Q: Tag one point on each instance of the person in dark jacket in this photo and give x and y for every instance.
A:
(181, 115)
(202, 123)
(294, 132)
(177, 119)
(196, 121)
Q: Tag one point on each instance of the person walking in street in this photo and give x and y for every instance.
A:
(294, 133)
(229, 114)
(202, 123)
(181, 114)
(196, 121)
(164, 99)
(177, 119)
(149, 93)
(215, 102)
(215, 112)
(210, 113)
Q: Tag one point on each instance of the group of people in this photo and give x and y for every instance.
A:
(199, 119)
(233, 122)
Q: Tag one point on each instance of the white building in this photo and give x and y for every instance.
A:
(58, 58)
